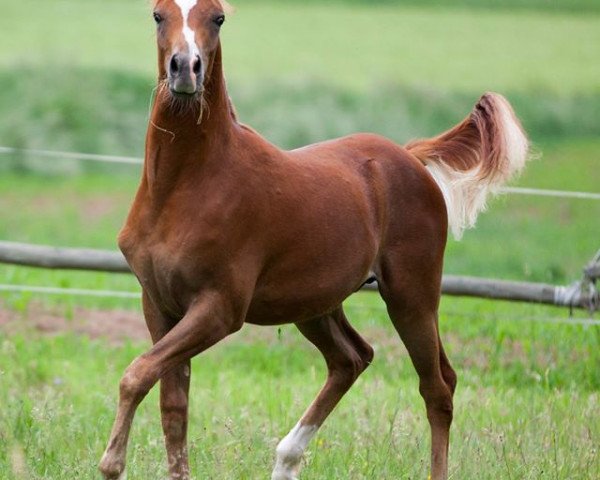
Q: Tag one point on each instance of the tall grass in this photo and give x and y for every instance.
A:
(526, 405)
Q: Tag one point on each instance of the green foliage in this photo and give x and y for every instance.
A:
(109, 114)
(294, 115)
(113, 119)
(543, 5)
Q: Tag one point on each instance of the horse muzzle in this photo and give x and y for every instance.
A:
(185, 74)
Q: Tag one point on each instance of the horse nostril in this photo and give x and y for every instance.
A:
(174, 65)
(196, 66)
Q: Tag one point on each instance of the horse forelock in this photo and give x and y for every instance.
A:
(226, 6)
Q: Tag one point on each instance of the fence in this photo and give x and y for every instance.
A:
(582, 294)
(91, 157)
(579, 295)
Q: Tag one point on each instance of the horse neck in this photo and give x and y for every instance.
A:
(178, 141)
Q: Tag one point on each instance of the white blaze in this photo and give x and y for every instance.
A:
(190, 37)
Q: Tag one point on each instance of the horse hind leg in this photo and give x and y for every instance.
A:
(347, 355)
(411, 291)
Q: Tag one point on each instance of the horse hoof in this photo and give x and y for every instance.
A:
(282, 475)
(112, 470)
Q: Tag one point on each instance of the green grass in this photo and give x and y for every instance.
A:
(583, 6)
(350, 46)
(411, 71)
(526, 406)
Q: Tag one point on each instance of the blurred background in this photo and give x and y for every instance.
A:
(78, 76)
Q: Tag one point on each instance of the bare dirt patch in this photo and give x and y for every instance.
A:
(120, 326)
(116, 326)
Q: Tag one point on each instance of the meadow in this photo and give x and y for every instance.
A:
(80, 77)
(526, 407)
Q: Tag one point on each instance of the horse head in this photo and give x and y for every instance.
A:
(187, 39)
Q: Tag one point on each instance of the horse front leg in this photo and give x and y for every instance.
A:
(208, 321)
(174, 393)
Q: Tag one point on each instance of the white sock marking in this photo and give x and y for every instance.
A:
(290, 451)
(190, 37)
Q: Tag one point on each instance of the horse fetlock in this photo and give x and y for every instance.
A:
(183, 475)
(288, 461)
(178, 465)
(290, 451)
(112, 467)
(283, 476)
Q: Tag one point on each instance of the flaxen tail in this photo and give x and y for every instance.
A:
(475, 158)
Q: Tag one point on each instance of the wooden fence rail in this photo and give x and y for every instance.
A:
(579, 295)
(62, 258)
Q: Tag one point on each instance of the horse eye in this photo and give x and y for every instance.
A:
(157, 17)
(220, 20)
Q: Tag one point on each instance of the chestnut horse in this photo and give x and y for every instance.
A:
(226, 228)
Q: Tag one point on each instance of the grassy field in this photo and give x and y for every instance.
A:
(466, 49)
(578, 6)
(527, 406)
(411, 72)
(528, 399)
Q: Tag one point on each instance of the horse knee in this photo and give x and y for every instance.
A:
(134, 385)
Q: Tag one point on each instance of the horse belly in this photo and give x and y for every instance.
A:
(288, 295)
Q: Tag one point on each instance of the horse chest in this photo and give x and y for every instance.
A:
(170, 267)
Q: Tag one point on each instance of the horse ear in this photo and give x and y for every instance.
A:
(227, 7)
